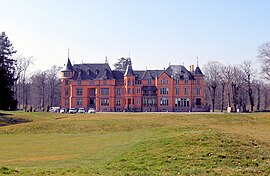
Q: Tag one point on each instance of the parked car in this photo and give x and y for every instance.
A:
(81, 110)
(54, 109)
(72, 110)
(91, 110)
(62, 110)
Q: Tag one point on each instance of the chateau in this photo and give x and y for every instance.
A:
(174, 89)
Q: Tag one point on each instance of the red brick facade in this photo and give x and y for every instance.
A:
(174, 89)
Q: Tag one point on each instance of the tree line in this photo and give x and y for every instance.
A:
(20, 88)
(239, 87)
(38, 90)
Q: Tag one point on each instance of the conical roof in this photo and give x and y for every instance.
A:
(129, 70)
(198, 71)
(68, 66)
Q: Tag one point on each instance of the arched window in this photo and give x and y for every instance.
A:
(88, 71)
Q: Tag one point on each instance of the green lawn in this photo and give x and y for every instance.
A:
(134, 144)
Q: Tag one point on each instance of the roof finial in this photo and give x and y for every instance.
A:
(106, 60)
(197, 61)
(68, 53)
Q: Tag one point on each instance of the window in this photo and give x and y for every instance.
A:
(79, 82)
(177, 81)
(138, 90)
(198, 91)
(164, 81)
(79, 91)
(66, 82)
(91, 83)
(198, 81)
(129, 83)
(104, 101)
(164, 91)
(66, 102)
(79, 101)
(148, 101)
(104, 82)
(138, 101)
(198, 101)
(129, 90)
(118, 91)
(186, 81)
(186, 91)
(118, 102)
(66, 74)
(92, 91)
(104, 91)
(138, 82)
(177, 90)
(164, 101)
(149, 81)
(181, 102)
(66, 91)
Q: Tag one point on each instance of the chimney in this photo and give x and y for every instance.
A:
(191, 68)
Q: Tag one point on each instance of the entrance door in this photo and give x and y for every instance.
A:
(129, 104)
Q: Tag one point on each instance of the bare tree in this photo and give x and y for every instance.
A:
(227, 73)
(248, 78)
(264, 58)
(212, 75)
(236, 85)
(54, 84)
(39, 88)
(258, 84)
(23, 76)
(266, 88)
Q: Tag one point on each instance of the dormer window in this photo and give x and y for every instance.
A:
(66, 74)
(186, 78)
(88, 71)
(106, 71)
(79, 82)
(97, 71)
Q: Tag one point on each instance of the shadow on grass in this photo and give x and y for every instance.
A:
(5, 120)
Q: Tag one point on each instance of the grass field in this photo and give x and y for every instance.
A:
(134, 144)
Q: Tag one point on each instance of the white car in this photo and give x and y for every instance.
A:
(91, 110)
(72, 110)
(62, 110)
(81, 110)
(54, 109)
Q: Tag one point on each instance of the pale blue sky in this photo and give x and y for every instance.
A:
(154, 32)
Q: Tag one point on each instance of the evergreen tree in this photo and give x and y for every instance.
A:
(121, 64)
(7, 74)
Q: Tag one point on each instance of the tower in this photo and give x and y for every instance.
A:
(129, 82)
(66, 74)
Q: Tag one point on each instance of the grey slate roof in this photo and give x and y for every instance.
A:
(93, 71)
(179, 71)
(68, 67)
(103, 71)
(118, 74)
(198, 71)
(151, 74)
(129, 71)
